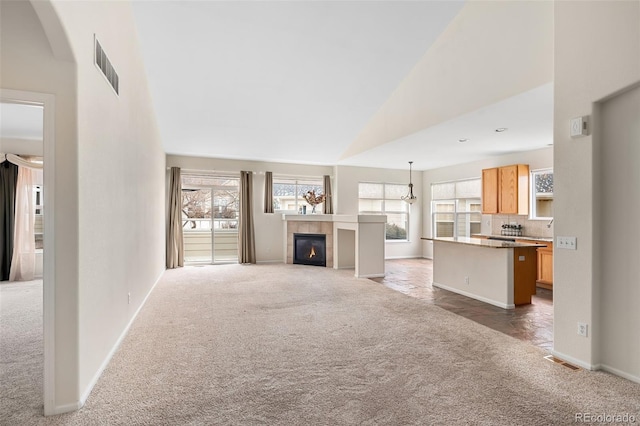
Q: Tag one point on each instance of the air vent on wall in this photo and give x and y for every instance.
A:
(105, 66)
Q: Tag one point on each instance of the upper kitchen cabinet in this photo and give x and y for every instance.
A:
(514, 189)
(490, 191)
(505, 190)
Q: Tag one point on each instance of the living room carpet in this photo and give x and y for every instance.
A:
(299, 345)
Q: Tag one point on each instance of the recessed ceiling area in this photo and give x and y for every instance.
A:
(297, 82)
(526, 118)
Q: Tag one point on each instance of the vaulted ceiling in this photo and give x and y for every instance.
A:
(364, 83)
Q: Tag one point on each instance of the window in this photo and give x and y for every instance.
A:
(38, 198)
(288, 193)
(209, 202)
(456, 208)
(384, 198)
(542, 194)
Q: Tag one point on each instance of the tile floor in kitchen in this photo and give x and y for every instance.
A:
(532, 323)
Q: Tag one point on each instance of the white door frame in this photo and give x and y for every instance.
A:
(48, 102)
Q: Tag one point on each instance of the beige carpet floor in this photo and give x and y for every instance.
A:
(296, 345)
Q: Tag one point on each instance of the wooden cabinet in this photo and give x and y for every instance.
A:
(544, 262)
(505, 190)
(545, 266)
(490, 191)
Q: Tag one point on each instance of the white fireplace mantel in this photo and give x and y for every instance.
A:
(357, 241)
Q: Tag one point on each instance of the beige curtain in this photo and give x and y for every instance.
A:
(268, 192)
(175, 244)
(327, 207)
(246, 241)
(23, 263)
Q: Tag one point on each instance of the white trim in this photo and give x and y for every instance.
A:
(48, 103)
(403, 257)
(67, 408)
(474, 296)
(572, 360)
(370, 276)
(115, 347)
(620, 373)
(269, 261)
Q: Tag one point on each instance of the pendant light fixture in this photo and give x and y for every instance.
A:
(410, 198)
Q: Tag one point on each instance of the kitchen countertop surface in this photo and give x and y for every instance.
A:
(483, 242)
(522, 237)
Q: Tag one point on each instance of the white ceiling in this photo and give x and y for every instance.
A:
(21, 121)
(21, 129)
(296, 81)
(527, 118)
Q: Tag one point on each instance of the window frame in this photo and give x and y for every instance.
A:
(456, 208)
(298, 198)
(532, 191)
(386, 212)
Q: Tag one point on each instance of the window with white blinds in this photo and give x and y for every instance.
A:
(384, 198)
(456, 208)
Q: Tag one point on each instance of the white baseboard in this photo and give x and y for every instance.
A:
(474, 296)
(113, 350)
(268, 261)
(575, 361)
(402, 257)
(67, 408)
(620, 373)
(370, 276)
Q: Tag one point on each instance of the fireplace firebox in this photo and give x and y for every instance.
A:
(310, 249)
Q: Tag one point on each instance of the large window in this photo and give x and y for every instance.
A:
(210, 205)
(288, 193)
(384, 198)
(456, 208)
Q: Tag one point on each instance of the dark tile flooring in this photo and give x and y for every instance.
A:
(532, 323)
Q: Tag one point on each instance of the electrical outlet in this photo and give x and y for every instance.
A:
(128, 298)
(567, 243)
(466, 280)
(583, 329)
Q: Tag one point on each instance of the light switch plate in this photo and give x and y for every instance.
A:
(567, 243)
(579, 126)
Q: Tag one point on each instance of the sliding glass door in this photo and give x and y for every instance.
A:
(210, 218)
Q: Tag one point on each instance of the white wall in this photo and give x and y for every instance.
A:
(346, 194)
(538, 159)
(619, 152)
(268, 227)
(121, 168)
(597, 53)
(28, 64)
(109, 167)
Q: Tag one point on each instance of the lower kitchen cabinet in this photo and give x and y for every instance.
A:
(545, 267)
(544, 276)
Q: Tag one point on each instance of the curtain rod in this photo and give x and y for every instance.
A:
(195, 171)
(19, 161)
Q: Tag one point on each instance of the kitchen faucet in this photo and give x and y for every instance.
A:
(549, 224)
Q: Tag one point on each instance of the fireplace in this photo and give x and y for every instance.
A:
(310, 249)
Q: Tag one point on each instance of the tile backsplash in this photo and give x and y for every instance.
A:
(492, 224)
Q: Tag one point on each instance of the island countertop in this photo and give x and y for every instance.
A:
(482, 242)
(520, 237)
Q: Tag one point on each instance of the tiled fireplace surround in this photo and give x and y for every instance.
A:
(352, 241)
(295, 227)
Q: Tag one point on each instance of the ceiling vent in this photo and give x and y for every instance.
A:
(104, 64)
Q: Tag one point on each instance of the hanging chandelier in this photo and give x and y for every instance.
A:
(410, 198)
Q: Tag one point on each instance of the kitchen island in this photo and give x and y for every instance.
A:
(497, 272)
